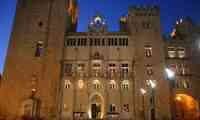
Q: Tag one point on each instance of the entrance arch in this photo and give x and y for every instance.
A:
(187, 108)
(96, 106)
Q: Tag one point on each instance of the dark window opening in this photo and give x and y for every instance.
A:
(39, 49)
(40, 24)
(68, 68)
(91, 41)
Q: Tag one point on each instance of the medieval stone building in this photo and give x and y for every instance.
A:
(54, 72)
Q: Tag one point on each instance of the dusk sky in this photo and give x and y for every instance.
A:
(171, 10)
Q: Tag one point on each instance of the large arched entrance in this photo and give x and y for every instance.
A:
(187, 108)
(96, 106)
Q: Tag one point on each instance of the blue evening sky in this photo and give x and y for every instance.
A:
(171, 10)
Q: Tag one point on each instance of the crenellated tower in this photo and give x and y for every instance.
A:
(33, 63)
(145, 32)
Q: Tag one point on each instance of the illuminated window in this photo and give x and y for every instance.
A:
(148, 51)
(182, 69)
(67, 84)
(185, 84)
(81, 67)
(96, 66)
(125, 85)
(171, 52)
(112, 69)
(124, 70)
(80, 84)
(181, 52)
(112, 84)
(96, 84)
(149, 69)
(39, 49)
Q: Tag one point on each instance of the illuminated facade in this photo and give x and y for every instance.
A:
(182, 57)
(54, 72)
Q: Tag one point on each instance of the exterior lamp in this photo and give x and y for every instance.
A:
(172, 76)
(170, 73)
(178, 98)
(143, 91)
(151, 83)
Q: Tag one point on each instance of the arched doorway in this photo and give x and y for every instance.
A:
(187, 108)
(96, 106)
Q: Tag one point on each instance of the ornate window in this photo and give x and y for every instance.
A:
(148, 50)
(181, 52)
(96, 84)
(125, 85)
(185, 84)
(171, 52)
(124, 70)
(112, 69)
(149, 69)
(112, 84)
(182, 69)
(80, 84)
(67, 84)
(80, 67)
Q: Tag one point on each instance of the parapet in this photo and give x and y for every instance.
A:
(144, 10)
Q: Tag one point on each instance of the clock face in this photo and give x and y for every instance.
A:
(97, 24)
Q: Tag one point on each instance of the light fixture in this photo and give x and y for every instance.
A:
(143, 91)
(170, 73)
(80, 84)
(178, 98)
(151, 83)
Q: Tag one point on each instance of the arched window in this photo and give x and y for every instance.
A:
(80, 84)
(96, 84)
(181, 52)
(125, 85)
(67, 84)
(112, 84)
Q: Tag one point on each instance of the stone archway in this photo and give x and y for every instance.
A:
(187, 108)
(96, 106)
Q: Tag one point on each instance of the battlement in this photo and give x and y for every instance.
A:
(144, 10)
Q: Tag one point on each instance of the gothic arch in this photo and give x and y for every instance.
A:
(96, 98)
